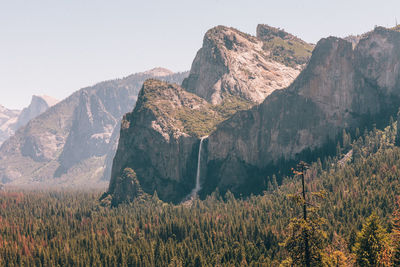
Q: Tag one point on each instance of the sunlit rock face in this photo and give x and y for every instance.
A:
(231, 62)
(341, 88)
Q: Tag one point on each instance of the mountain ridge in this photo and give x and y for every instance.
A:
(12, 120)
(341, 89)
(58, 148)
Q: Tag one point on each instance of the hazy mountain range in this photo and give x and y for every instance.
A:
(12, 120)
(71, 142)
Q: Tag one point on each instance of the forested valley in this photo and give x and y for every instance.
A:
(353, 219)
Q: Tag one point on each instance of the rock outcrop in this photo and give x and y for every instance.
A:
(159, 140)
(231, 62)
(341, 88)
(127, 188)
(69, 144)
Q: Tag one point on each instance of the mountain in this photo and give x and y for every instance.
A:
(12, 120)
(38, 105)
(340, 89)
(71, 143)
(231, 62)
(155, 138)
(232, 71)
(8, 118)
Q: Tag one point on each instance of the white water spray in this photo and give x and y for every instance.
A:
(198, 186)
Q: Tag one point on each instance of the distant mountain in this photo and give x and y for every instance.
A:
(12, 120)
(71, 143)
(8, 119)
(38, 105)
(232, 71)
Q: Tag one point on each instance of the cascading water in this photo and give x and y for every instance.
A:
(198, 185)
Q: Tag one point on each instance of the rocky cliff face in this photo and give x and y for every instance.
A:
(70, 143)
(234, 63)
(160, 138)
(344, 86)
(340, 88)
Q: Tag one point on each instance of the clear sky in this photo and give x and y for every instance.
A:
(56, 47)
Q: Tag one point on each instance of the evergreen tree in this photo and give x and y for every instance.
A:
(306, 239)
(396, 234)
(371, 242)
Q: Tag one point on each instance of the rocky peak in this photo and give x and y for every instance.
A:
(38, 105)
(12, 120)
(233, 63)
(158, 72)
(158, 139)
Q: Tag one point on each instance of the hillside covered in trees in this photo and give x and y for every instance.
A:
(360, 186)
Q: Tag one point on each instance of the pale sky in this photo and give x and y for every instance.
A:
(56, 47)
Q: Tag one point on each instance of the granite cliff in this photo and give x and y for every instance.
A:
(341, 88)
(344, 86)
(232, 71)
(231, 62)
(158, 140)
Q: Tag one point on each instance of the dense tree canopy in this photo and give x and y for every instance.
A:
(52, 228)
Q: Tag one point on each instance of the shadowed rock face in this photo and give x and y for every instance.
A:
(234, 63)
(154, 141)
(127, 187)
(71, 143)
(341, 88)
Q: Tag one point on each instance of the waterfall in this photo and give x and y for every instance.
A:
(198, 173)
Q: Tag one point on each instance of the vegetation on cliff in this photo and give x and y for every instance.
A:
(186, 111)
